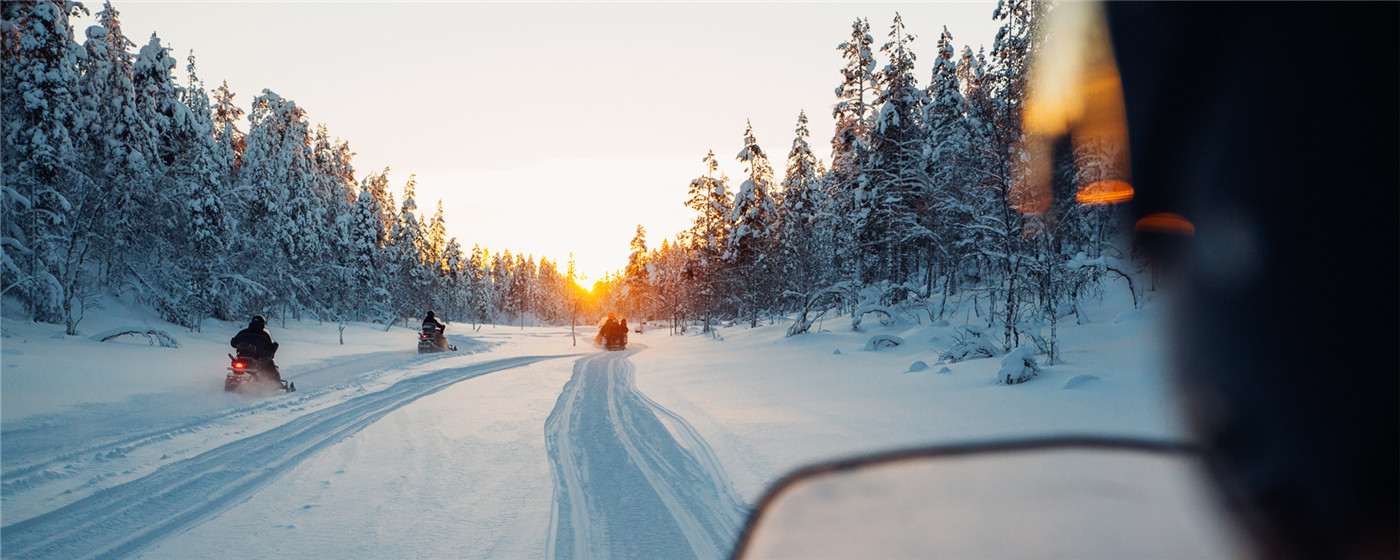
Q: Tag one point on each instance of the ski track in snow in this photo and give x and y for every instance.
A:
(124, 519)
(41, 450)
(632, 479)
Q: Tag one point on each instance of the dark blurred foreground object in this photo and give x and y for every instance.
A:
(1272, 128)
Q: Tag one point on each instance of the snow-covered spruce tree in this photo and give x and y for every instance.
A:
(436, 257)
(410, 281)
(950, 149)
(636, 278)
(44, 242)
(334, 183)
(121, 145)
(673, 290)
(277, 138)
(479, 286)
(752, 242)
(451, 290)
(229, 140)
(1000, 220)
(277, 184)
(803, 269)
(855, 118)
(201, 231)
(708, 237)
(889, 223)
(553, 293)
(162, 273)
(519, 290)
(502, 263)
(435, 238)
(366, 250)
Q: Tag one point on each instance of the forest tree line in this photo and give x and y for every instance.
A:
(917, 214)
(119, 179)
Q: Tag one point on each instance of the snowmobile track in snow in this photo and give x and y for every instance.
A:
(124, 519)
(35, 448)
(632, 479)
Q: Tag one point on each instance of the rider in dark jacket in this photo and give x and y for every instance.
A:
(438, 326)
(256, 342)
(606, 330)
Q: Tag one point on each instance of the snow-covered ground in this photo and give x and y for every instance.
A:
(520, 446)
(768, 404)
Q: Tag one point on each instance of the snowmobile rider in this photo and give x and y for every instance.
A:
(608, 330)
(256, 342)
(431, 320)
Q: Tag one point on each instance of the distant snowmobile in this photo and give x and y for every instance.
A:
(250, 376)
(613, 335)
(616, 342)
(431, 339)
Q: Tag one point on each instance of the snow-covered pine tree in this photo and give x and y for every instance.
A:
(549, 294)
(435, 238)
(518, 291)
(636, 280)
(278, 171)
(752, 240)
(888, 219)
(123, 145)
(709, 236)
(805, 234)
(277, 138)
(799, 211)
(367, 247)
(202, 227)
(479, 286)
(334, 185)
(41, 129)
(855, 118)
(574, 298)
(502, 268)
(999, 221)
(950, 149)
(410, 281)
(228, 139)
(162, 271)
(451, 290)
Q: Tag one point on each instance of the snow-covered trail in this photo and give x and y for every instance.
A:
(126, 518)
(632, 479)
(50, 448)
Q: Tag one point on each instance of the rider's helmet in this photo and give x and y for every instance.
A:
(257, 322)
(610, 317)
(430, 315)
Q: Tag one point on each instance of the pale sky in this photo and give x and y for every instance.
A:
(546, 128)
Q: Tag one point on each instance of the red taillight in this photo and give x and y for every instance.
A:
(238, 365)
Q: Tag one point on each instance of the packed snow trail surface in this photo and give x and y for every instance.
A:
(632, 479)
(36, 448)
(127, 518)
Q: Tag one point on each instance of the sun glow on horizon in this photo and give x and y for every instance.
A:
(550, 209)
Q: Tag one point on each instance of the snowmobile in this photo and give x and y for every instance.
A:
(430, 340)
(249, 375)
(618, 341)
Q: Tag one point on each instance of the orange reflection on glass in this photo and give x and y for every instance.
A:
(1099, 193)
(1165, 222)
(1076, 92)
